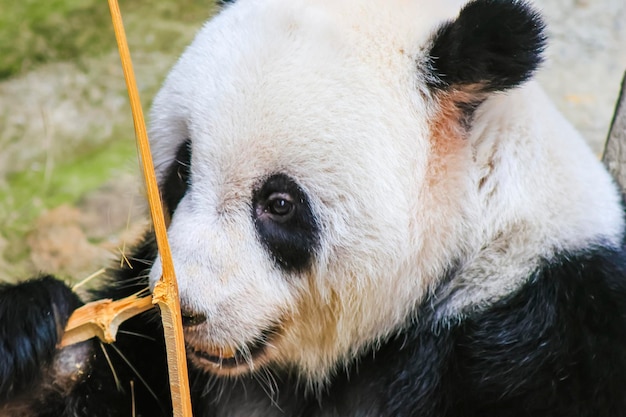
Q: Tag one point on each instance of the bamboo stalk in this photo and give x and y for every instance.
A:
(166, 290)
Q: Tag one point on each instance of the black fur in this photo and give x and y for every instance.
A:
(556, 347)
(138, 355)
(176, 181)
(493, 45)
(293, 240)
(32, 317)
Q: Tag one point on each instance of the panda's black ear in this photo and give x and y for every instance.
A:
(493, 45)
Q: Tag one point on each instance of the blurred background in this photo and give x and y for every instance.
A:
(70, 199)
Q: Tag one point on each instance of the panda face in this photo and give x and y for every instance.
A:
(313, 158)
(287, 196)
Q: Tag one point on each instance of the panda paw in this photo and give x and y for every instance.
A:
(33, 315)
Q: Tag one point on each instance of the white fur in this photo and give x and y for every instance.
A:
(330, 92)
(544, 191)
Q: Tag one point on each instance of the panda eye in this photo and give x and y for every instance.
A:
(280, 207)
(285, 222)
(182, 172)
(176, 181)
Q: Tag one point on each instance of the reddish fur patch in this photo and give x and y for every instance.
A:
(448, 131)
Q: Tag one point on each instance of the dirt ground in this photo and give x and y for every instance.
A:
(64, 103)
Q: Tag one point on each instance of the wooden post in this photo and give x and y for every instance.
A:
(615, 148)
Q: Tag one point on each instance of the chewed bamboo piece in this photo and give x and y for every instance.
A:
(102, 318)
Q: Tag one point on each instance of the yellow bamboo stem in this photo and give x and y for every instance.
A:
(165, 293)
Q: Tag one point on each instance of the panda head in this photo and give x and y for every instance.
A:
(318, 163)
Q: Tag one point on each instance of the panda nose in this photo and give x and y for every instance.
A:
(191, 319)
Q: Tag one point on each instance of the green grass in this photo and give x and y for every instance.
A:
(27, 193)
(34, 32)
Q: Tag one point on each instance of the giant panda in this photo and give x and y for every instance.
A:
(373, 211)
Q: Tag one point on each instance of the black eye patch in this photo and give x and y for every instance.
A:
(285, 222)
(176, 181)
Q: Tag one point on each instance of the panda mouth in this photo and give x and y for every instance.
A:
(228, 360)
